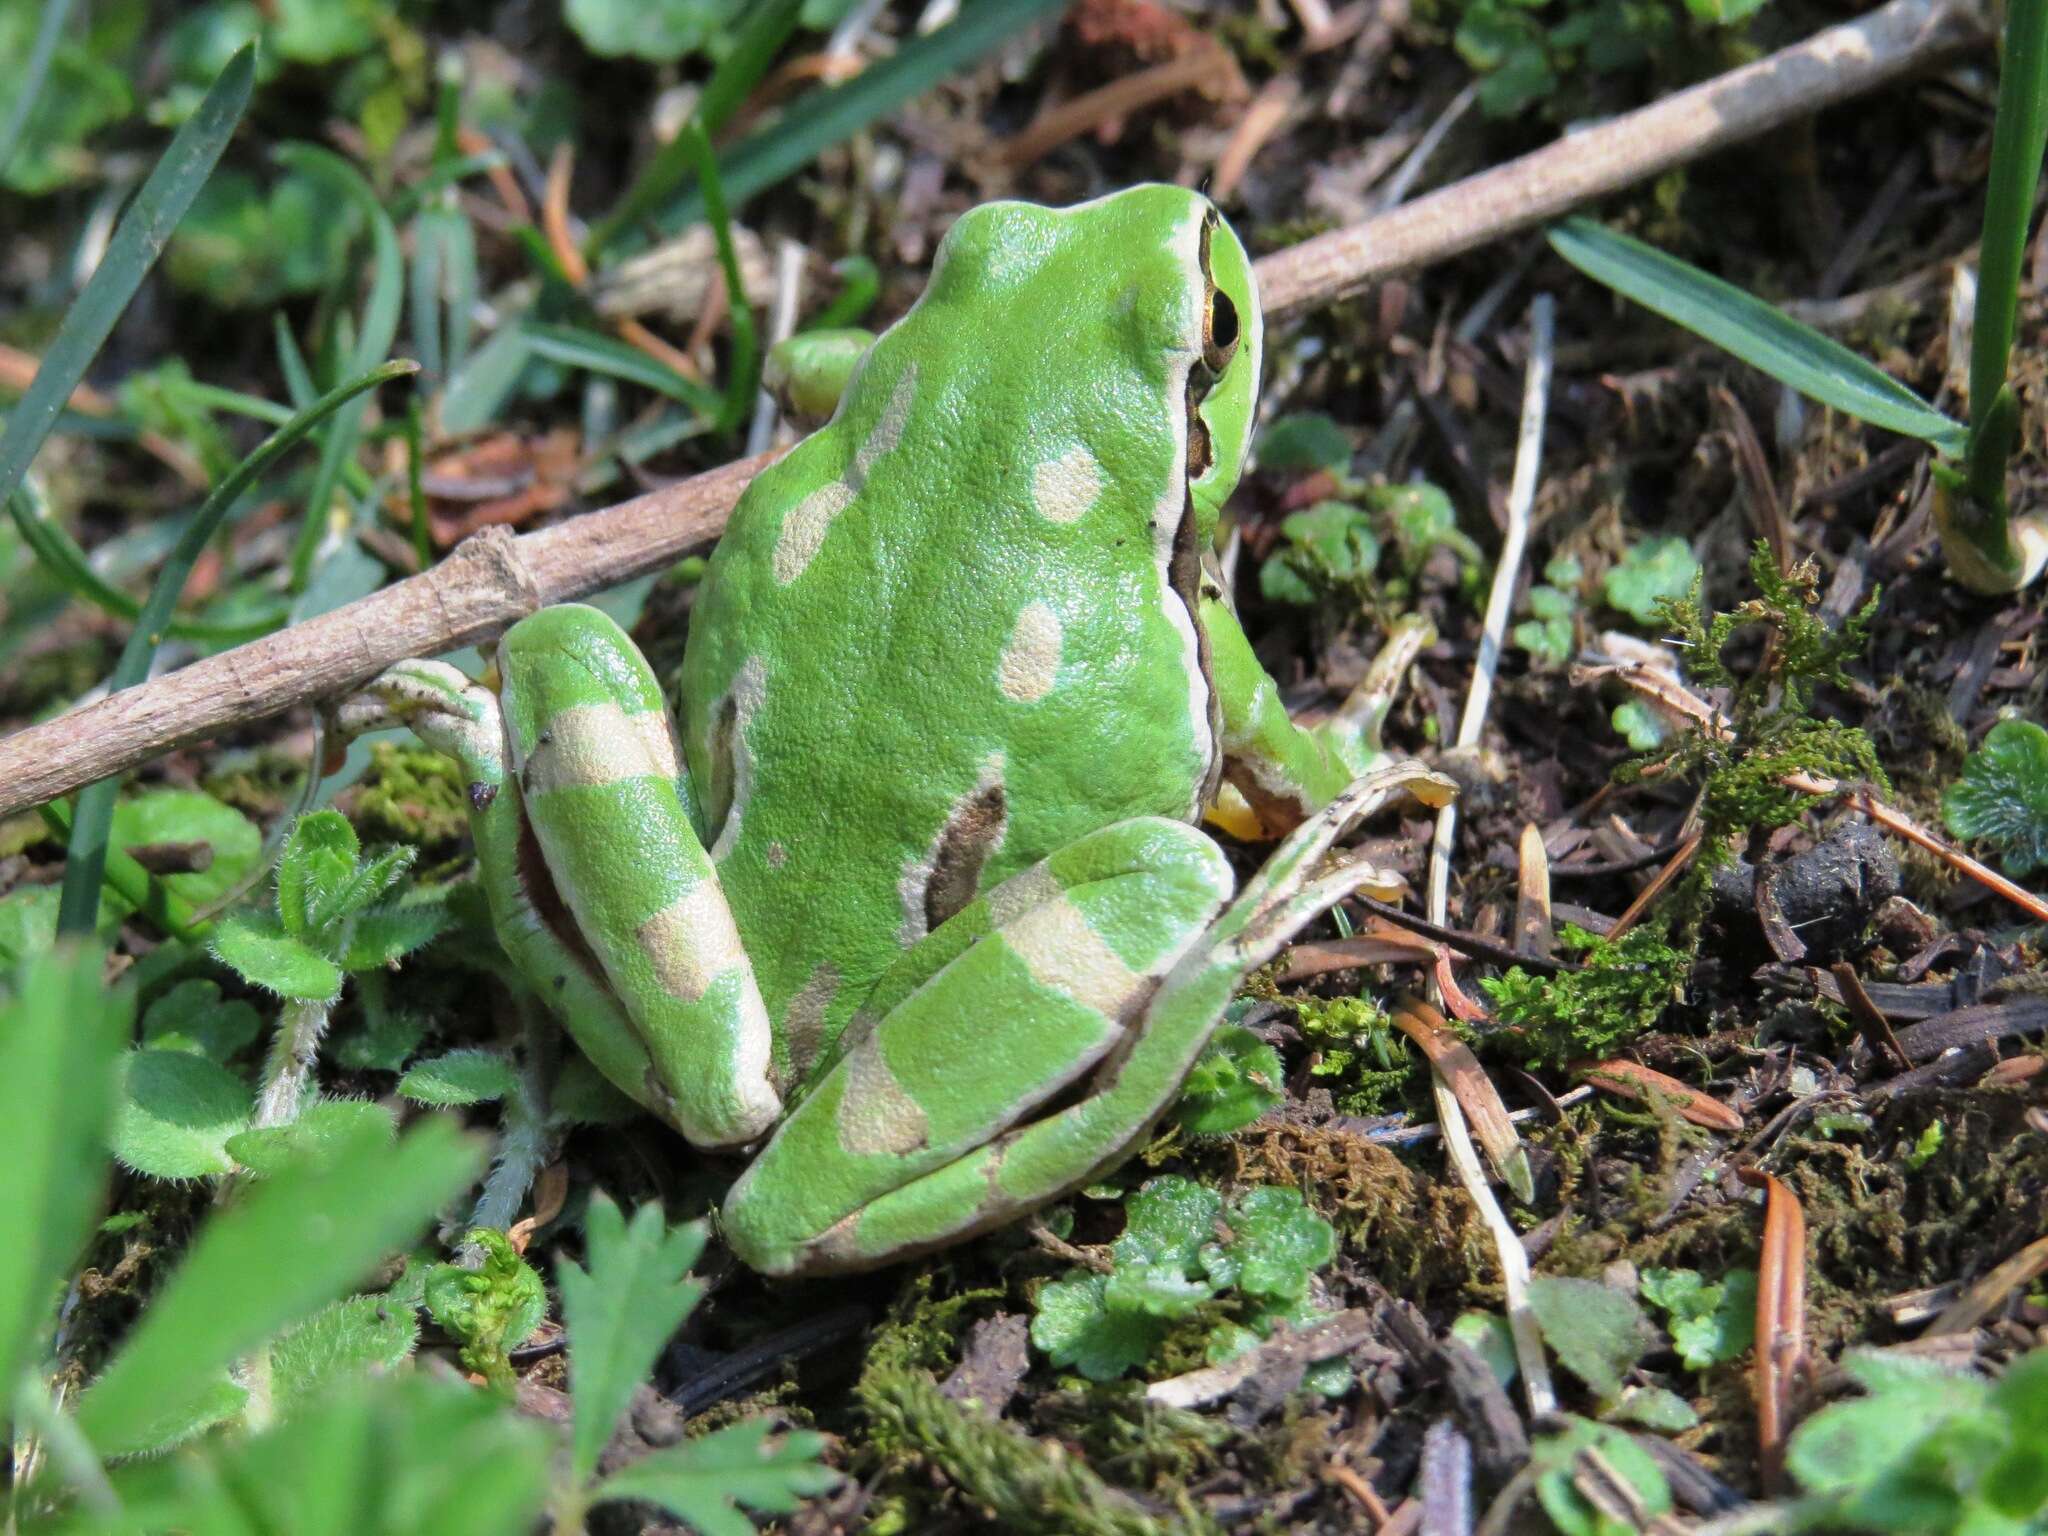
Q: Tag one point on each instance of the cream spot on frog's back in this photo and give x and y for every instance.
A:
(1031, 660)
(805, 525)
(888, 430)
(1066, 487)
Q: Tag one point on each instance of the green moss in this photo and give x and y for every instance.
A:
(411, 795)
(1363, 1062)
(1621, 991)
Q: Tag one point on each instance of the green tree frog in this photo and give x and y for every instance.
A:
(912, 901)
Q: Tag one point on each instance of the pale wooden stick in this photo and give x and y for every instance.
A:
(492, 581)
(486, 584)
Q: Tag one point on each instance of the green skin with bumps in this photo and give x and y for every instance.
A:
(914, 902)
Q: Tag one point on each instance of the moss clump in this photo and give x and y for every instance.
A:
(1770, 731)
(1620, 992)
(411, 795)
(1366, 1066)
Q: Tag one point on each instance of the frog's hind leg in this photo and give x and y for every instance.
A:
(1005, 1007)
(949, 1194)
(600, 887)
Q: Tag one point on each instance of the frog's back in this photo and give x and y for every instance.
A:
(951, 631)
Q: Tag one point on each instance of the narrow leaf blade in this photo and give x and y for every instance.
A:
(1758, 333)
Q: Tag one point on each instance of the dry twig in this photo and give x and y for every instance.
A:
(478, 593)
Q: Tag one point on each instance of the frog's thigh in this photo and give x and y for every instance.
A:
(999, 1009)
(456, 716)
(596, 763)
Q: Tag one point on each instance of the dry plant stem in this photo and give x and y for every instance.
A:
(479, 591)
(1213, 68)
(1829, 67)
(1533, 930)
(1464, 1158)
(1780, 1320)
(1990, 1293)
(486, 584)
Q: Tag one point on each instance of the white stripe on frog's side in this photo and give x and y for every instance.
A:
(805, 525)
(596, 744)
(1031, 660)
(1173, 506)
(749, 688)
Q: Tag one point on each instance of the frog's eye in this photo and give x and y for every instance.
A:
(1219, 331)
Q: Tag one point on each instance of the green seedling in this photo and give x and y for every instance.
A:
(492, 1308)
(1620, 991)
(1549, 633)
(1711, 1322)
(2002, 797)
(335, 915)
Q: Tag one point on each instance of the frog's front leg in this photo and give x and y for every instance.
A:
(600, 886)
(1277, 772)
(1098, 976)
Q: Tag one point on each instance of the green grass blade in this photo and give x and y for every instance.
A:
(33, 77)
(2017, 138)
(574, 347)
(745, 370)
(761, 38)
(60, 555)
(147, 895)
(372, 345)
(826, 117)
(293, 1243)
(58, 1040)
(1758, 333)
(137, 241)
(88, 849)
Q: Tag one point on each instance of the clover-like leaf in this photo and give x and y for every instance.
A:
(1640, 726)
(1277, 1243)
(1168, 1221)
(1075, 1327)
(1652, 571)
(259, 951)
(460, 1077)
(1710, 1323)
(659, 31)
(1156, 1290)
(1236, 1080)
(2002, 796)
(176, 1113)
(1599, 1333)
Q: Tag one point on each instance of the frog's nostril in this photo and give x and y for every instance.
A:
(1219, 334)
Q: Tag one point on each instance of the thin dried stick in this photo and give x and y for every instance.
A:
(438, 611)
(1828, 67)
(1464, 1159)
